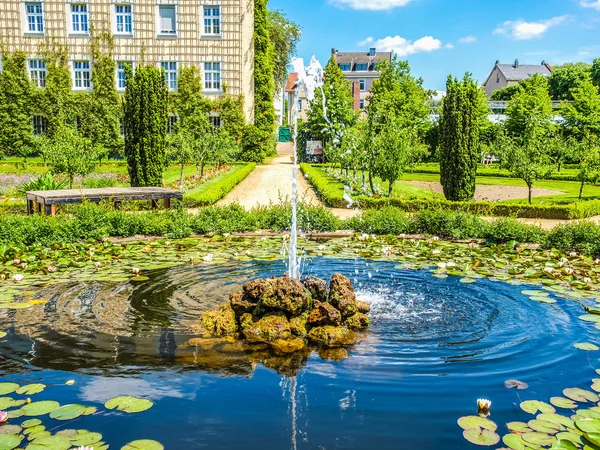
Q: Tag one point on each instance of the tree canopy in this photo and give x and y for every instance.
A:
(566, 77)
(284, 34)
(531, 107)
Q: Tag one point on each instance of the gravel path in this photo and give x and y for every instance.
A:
(271, 183)
(492, 193)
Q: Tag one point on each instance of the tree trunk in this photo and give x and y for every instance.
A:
(202, 169)
(391, 188)
(559, 166)
(581, 190)
(530, 193)
(71, 178)
(181, 175)
(371, 183)
(364, 181)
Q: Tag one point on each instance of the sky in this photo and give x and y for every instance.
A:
(450, 37)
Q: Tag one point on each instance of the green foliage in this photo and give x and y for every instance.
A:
(45, 182)
(233, 119)
(505, 94)
(145, 111)
(596, 72)
(459, 138)
(180, 148)
(253, 145)
(564, 78)
(582, 117)
(588, 155)
(284, 34)
(69, 153)
(214, 190)
(16, 100)
(264, 81)
(530, 108)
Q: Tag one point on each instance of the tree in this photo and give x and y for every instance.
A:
(332, 110)
(69, 153)
(588, 154)
(459, 138)
(566, 77)
(353, 147)
(16, 100)
(180, 147)
(145, 119)
(582, 117)
(264, 81)
(596, 72)
(505, 94)
(530, 108)
(284, 35)
(561, 150)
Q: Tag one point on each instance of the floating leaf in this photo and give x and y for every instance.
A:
(2, 334)
(569, 436)
(50, 443)
(557, 419)
(565, 445)
(518, 427)
(67, 412)
(8, 388)
(40, 408)
(580, 395)
(535, 293)
(147, 444)
(31, 389)
(129, 404)
(533, 406)
(470, 422)
(467, 280)
(514, 441)
(587, 346)
(588, 425)
(38, 435)
(89, 410)
(86, 438)
(15, 414)
(544, 427)
(481, 437)
(590, 318)
(588, 414)
(9, 441)
(34, 429)
(540, 439)
(565, 403)
(509, 384)
(10, 429)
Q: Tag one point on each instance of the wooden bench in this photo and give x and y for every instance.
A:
(45, 202)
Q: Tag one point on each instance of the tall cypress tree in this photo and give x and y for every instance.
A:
(57, 99)
(459, 138)
(145, 118)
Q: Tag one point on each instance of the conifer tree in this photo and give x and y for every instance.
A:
(145, 118)
(57, 99)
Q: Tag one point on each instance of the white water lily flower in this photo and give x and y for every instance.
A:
(17, 261)
(442, 266)
(435, 238)
(386, 251)
(402, 236)
(569, 270)
(226, 235)
(597, 261)
(168, 243)
(587, 280)
(208, 258)
(407, 266)
(473, 244)
(2, 277)
(484, 404)
(97, 265)
(436, 252)
(322, 247)
(548, 269)
(519, 249)
(18, 277)
(564, 260)
(451, 264)
(84, 448)
(248, 252)
(135, 271)
(573, 254)
(51, 269)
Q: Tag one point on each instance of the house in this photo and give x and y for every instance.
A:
(504, 75)
(360, 68)
(216, 37)
(297, 99)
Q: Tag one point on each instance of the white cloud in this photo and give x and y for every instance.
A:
(371, 5)
(450, 46)
(521, 30)
(591, 4)
(467, 39)
(403, 47)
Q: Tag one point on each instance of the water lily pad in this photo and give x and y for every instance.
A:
(533, 293)
(31, 423)
(533, 406)
(518, 427)
(141, 278)
(50, 443)
(89, 410)
(6, 402)
(2, 334)
(565, 403)
(587, 346)
(31, 389)
(564, 445)
(146, 444)
(514, 441)
(580, 395)
(129, 404)
(544, 427)
(509, 384)
(86, 438)
(40, 408)
(540, 439)
(38, 435)
(8, 388)
(590, 318)
(557, 419)
(34, 429)
(569, 436)
(468, 280)
(470, 422)
(10, 429)
(9, 441)
(15, 414)
(547, 300)
(67, 412)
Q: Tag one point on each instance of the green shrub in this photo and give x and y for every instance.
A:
(455, 225)
(383, 221)
(45, 182)
(506, 229)
(578, 236)
(214, 190)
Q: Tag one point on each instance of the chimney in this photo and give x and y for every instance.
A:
(333, 52)
(356, 95)
(372, 51)
(516, 63)
(497, 62)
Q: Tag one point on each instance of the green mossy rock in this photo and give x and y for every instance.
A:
(358, 321)
(317, 288)
(225, 322)
(330, 336)
(257, 289)
(363, 307)
(240, 304)
(207, 343)
(208, 320)
(288, 295)
(298, 325)
(272, 327)
(324, 314)
(286, 346)
(342, 296)
(334, 354)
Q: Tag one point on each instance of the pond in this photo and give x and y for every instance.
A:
(434, 347)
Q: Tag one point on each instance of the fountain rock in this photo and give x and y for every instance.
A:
(287, 314)
(363, 307)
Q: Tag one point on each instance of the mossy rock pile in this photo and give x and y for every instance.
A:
(288, 315)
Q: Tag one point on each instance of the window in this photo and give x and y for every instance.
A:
(212, 20)
(82, 75)
(170, 68)
(123, 19)
(363, 85)
(34, 11)
(37, 72)
(362, 104)
(171, 123)
(215, 120)
(121, 81)
(212, 76)
(375, 65)
(497, 78)
(344, 67)
(361, 67)
(40, 125)
(299, 107)
(79, 18)
(167, 19)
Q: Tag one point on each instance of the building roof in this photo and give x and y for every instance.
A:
(369, 58)
(291, 82)
(518, 72)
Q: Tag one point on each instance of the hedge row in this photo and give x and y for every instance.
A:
(214, 190)
(331, 192)
(496, 173)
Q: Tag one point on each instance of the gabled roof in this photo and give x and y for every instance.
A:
(519, 72)
(291, 82)
(361, 57)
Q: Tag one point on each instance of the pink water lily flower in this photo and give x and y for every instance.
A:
(3, 417)
(18, 277)
(51, 269)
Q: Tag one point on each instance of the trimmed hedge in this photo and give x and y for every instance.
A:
(212, 191)
(331, 192)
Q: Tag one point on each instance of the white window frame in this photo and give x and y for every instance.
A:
(169, 72)
(361, 104)
(74, 69)
(205, 77)
(167, 35)
(115, 15)
(25, 18)
(40, 82)
(42, 121)
(171, 122)
(204, 17)
(117, 71)
(363, 84)
(366, 67)
(212, 118)
(72, 31)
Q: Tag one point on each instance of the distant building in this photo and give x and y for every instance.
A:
(361, 69)
(504, 75)
(296, 103)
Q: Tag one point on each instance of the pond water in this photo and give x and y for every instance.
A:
(434, 347)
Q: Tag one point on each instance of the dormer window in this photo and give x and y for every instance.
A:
(344, 67)
(361, 67)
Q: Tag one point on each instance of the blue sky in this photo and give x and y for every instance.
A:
(442, 37)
